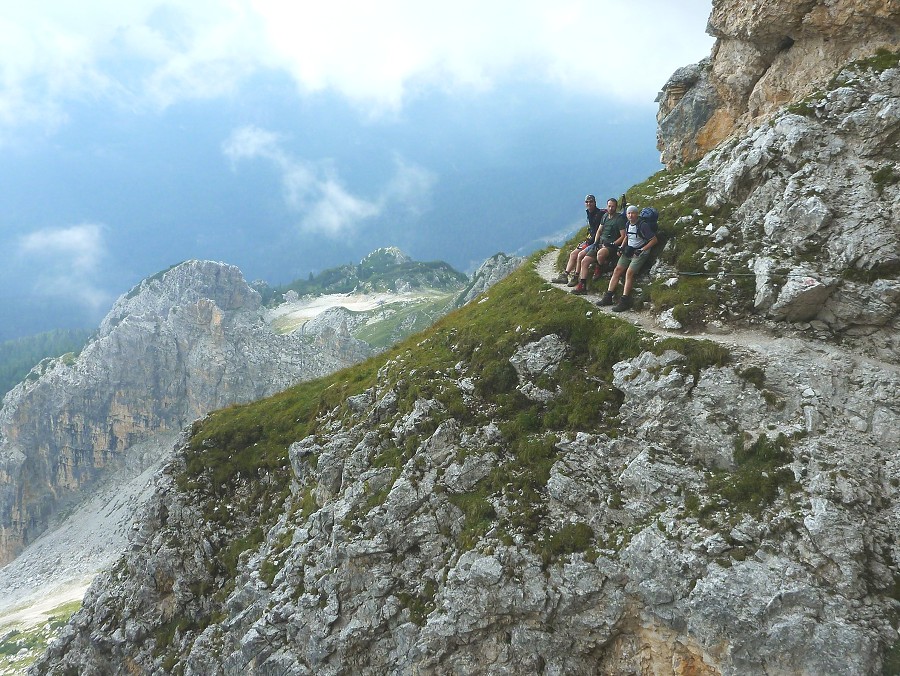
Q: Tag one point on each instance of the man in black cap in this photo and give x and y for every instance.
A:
(594, 216)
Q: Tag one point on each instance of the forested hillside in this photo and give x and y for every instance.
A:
(17, 357)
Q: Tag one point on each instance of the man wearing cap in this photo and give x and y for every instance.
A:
(594, 216)
(610, 236)
(640, 238)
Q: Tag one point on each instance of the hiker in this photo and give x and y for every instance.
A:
(609, 239)
(593, 224)
(640, 238)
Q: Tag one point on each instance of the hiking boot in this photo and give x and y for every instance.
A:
(624, 304)
(574, 280)
(581, 289)
(606, 300)
(596, 275)
(561, 278)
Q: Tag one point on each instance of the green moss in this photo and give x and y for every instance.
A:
(759, 475)
(755, 376)
(880, 61)
(419, 604)
(571, 538)
(691, 504)
(880, 270)
(884, 177)
(699, 354)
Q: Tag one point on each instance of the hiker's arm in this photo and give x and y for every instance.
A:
(622, 235)
(649, 245)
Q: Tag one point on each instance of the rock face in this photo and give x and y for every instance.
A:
(796, 224)
(765, 55)
(185, 342)
(538, 488)
(495, 268)
(698, 565)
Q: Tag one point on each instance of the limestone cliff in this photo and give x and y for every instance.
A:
(794, 226)
(494, 269)
(766, 54)
(187, 341)
(537, 486)
(501, 498)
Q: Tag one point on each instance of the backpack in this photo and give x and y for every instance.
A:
(649, 217)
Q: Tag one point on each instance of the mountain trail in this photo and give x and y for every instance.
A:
(756, 341)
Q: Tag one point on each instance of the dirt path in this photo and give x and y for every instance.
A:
(758, 342)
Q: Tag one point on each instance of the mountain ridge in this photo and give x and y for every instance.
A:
(533, 485)
(89, 523)
(466, 519)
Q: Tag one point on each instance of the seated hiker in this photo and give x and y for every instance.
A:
(593, 223)
(610, 237)
(640, 238)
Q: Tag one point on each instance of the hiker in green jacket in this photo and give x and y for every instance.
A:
(610, 237)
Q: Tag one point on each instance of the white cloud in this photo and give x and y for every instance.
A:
(379, 52)
(155, 52)
(66, 262)
(316, 192)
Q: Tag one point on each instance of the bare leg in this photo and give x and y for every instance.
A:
(614, 280)
(629, 282)
(585, 266)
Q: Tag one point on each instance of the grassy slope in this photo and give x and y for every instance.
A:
(239, 455)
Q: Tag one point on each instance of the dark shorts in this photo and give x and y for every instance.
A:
(613, 250)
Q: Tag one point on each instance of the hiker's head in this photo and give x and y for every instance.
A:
(632, 212)
(590, 201)
(612, 205)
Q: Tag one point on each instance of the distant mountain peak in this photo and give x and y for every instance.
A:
(385, 256)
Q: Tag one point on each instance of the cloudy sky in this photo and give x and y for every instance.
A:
(288, 137)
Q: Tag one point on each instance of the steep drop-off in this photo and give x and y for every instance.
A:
(536, 486)
(187, 341)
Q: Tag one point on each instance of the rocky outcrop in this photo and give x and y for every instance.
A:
(491, 271)
(765, 55)
(795, 224)
(662, 548)
(182, 343)
(535, 487)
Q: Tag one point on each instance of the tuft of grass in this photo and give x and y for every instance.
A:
(478, 516)
(571, 538)
(759, 475)
(419, 604)
(755, 376)
(691, 299)
(698, 354)
(880, 61)
(884, 177)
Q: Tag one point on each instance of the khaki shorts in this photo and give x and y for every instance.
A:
(633, 262)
